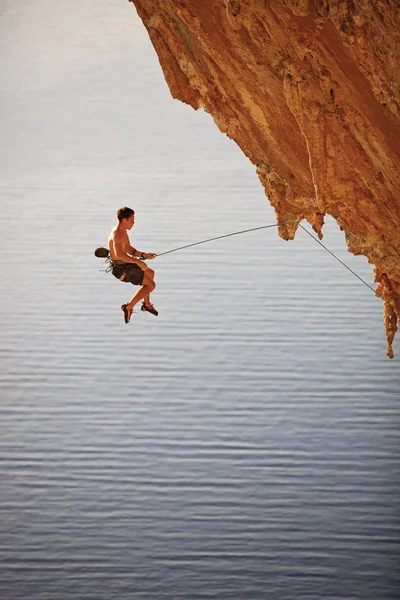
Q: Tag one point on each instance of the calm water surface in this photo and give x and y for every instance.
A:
(244, 444)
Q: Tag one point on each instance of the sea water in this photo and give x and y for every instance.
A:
(244, 444)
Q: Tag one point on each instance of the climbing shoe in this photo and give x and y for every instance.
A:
(149, 308)
(127, 312)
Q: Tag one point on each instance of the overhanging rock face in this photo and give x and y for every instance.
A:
(309, 89)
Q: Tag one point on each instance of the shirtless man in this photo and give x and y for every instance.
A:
(125, 265)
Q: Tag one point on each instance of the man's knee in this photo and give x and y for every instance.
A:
(148, 282)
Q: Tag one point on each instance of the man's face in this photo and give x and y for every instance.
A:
(130, 221)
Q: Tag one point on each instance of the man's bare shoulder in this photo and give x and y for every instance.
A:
(115, 233)
(117, 237)
(114, 241)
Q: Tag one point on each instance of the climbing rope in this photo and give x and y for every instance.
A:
(278, 225)
(348, 268)
(338, 259)
(224, 236)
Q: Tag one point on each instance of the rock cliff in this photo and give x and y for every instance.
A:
(309, 89)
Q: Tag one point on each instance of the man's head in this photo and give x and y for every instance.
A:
(127, 215)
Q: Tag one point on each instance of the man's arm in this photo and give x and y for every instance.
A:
(141, 255)
(133, 252)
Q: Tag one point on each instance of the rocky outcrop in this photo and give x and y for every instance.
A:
(309, 89)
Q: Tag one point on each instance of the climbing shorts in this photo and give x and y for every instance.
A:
(128, 272)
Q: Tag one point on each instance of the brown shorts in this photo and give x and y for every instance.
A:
(128, 272)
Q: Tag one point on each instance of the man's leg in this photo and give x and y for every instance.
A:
(148, 285)
(150, 275)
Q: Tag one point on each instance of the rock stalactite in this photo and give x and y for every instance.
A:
(309, 89)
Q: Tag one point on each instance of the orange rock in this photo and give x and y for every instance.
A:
(309, 89)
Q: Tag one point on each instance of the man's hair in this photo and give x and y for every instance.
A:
(124, 213)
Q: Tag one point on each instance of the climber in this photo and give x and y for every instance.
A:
(127, 264)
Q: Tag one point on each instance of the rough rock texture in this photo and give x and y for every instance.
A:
(309, 89)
